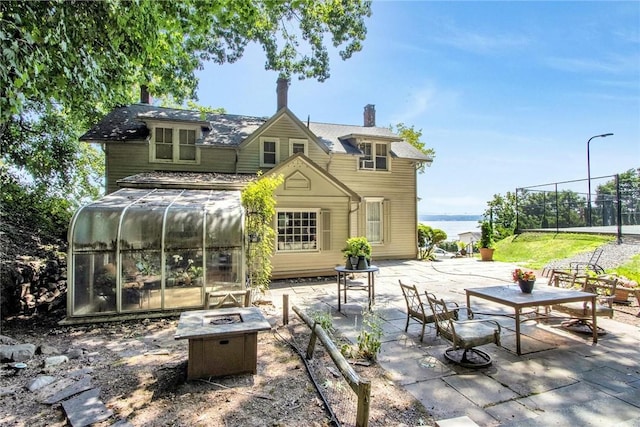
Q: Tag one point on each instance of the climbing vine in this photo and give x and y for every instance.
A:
(260, 206)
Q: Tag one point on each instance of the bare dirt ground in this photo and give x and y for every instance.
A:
(141, 371)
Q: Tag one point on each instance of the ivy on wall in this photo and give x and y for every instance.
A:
(259, 203)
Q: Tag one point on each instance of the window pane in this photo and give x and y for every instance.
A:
(298, 148)
(187, 137)
(381, 163)
(374, 221)
(297, 231)
(269, 159)
(269, 147)
(164, 151)
(168, 135)
(187, 152)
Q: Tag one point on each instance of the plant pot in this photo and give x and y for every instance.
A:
(362, 263)
(526, 286)
(352, 263)
(486, 254)
(622, 295)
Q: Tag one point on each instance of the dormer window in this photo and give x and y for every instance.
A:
(374, 156)
(174, 145)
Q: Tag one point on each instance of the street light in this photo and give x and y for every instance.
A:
(604, 135)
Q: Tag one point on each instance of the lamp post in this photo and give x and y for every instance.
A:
(604, 135)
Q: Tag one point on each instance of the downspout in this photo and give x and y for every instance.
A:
(237, 156)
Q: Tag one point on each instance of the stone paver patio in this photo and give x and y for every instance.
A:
(562, 379)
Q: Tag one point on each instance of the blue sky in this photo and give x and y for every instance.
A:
(507, 93)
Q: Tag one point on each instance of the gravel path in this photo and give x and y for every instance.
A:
(612, 256)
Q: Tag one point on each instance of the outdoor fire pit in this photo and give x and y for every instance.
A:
(222, 341)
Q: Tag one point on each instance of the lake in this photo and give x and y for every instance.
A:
(453, 228)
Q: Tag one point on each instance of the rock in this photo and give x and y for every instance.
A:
(74, 353)
(5, 391)
(39, 382)
(52, 361)
(7, 340)
(17, 353)
(48, 349)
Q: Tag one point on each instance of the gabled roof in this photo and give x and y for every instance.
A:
(285, 112)
(329, 177)
(128, 123)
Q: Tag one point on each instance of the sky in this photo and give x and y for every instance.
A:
(508, 93)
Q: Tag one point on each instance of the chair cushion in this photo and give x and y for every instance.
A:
(472, 334)
(582, 309)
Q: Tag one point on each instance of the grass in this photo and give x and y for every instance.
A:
(535, 250)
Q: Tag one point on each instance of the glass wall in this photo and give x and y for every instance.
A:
(140, 250)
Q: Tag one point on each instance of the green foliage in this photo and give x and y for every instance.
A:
(357, 246)
(260, 205)
(369, 339)
(629, 183)
(502, 211)
(486, 235)
(412, 136)
(101, 49)
(535, 250)
(324, 319)
(31, 207)
(630, 270)
(428, 238)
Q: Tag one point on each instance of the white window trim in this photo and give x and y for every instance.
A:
(176, 144)
(262, 141)
(299, 141)
(379, 200)
(318, 231)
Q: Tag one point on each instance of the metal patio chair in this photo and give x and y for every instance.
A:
(419, 312)
(605, 289)
(464, 335)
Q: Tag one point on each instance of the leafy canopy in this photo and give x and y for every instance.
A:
(412, 136)
(102, 49)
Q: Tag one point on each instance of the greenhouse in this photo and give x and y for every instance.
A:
(143, 250)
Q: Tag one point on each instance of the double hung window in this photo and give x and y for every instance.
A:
(374, 219)
(174, 145)
(269, 151)
(374, 156)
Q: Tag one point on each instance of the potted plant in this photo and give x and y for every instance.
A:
(462, 248)
(486, 241)
(358, 249)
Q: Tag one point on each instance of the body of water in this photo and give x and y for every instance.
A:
(453, 228)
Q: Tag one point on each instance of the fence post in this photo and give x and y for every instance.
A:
(364, 398)
(619, 200)
(285, 309)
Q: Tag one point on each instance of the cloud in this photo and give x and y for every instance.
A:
(615, 64)
(423, 100)
(477, 42)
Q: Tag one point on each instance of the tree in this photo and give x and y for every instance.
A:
(629, 183)
(502, 212)
(66, 63)
(102, 49)
(412, 136)
(428, 238)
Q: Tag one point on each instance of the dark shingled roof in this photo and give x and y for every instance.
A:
(127, 123)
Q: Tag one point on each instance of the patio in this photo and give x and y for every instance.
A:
(561, 379)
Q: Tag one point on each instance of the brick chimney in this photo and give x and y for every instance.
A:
(281, 90)
(145, 98)
(369, 115)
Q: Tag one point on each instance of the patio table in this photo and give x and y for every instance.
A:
(370, 287)
(511, 296)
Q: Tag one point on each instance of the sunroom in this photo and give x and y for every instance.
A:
(143, 250)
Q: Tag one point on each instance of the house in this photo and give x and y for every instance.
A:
(339, 180)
